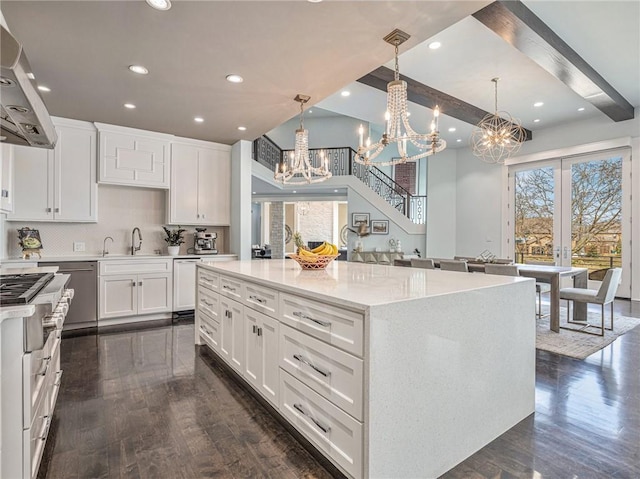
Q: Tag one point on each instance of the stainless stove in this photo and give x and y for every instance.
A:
(22, 288)
(47, 293)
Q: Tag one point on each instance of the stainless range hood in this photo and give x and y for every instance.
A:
(24, 119)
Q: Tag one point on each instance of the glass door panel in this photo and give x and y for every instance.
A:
(592, 226)
(535, 212)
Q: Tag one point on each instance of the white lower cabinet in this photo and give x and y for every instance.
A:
(303, 356)
(184, 284)
(261, 353)
(329, 428)
(132, 288)
(232, 333)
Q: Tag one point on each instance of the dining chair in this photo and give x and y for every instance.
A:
(502, 269)
(604, 295)
(541, 286)
(453, 265)
(425, 263)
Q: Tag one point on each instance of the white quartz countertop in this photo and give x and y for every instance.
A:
(19, 269)
(110, 257)
(359, 285)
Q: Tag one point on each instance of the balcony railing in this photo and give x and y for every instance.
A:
(341, 163)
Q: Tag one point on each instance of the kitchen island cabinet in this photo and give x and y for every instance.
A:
(388, 372)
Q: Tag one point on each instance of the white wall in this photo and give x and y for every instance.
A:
(120, 209)
(324, 132)
(441, 205)
(358, 204)
(240, 227)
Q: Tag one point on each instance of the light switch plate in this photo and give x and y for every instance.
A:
(78, 246)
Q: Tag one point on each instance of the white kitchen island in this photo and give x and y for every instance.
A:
(389, 372)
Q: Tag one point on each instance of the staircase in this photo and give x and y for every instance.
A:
(341, 163)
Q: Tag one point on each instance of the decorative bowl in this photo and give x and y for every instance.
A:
(313, 262)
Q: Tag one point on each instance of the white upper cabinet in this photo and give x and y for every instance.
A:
(6, 178)
(58, 184)
(200, 183)
(133, 157)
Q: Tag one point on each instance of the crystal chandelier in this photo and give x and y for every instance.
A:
(297, 169)
(497, 136)
(397, 127)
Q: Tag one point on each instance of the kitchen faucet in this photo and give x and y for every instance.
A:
(135, 248)
(105, 251)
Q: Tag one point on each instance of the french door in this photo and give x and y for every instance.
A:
(573, 211)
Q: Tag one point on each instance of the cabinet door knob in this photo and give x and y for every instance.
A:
(139, 283)
(57, 210)
(133, 284)
(48, 210)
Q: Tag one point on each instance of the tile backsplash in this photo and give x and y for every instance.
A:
(120, 209)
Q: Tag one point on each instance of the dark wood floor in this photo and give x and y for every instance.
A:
(147, 404)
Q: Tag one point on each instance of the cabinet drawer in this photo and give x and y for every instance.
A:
(35, 437)
(209, 303)
(343, 329)
(39, 365)
(261, 299)
(135, 266)
(231, 288)
(208, 279)
(210, 332)
(336, 434)
(332, 373)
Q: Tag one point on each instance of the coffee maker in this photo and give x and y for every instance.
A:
(205, 243)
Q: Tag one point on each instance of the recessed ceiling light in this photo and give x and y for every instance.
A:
(160, 4)
(345, 93)
(254, 192)
(452, 129)
(139, 69)
(233, 78)
(537, 120)
(408, 114)
(538, 103)
(581, 109)
(43, 88)
(198, 119)
(294, 191)
(242, 128)
(435, 45)
(459, 140)
(31, 76)
(130, 106)
(335, 191)
(310, 111)
(314, 1)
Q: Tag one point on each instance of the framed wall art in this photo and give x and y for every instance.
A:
(358, 218)
(379, 227)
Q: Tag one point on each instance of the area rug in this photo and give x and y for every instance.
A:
(579, 345)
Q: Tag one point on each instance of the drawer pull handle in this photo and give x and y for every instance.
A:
(303, 360)
(206, 278)
(233, 290)
(46, 430)
(43, 371)
(207, 303)
(259, 300)
(321, 426)
(301, 315)
(59, 381)
(227, 314)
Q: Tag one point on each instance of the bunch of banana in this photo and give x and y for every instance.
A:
(325, 249)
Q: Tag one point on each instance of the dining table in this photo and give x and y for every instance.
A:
(547, 274)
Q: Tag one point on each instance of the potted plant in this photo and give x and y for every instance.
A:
(174, 239)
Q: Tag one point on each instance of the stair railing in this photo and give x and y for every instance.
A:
(341, 163)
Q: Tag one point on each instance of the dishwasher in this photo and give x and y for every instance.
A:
(83, 311)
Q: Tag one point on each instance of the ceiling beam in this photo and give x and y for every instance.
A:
(426, 96)
(520, 27)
